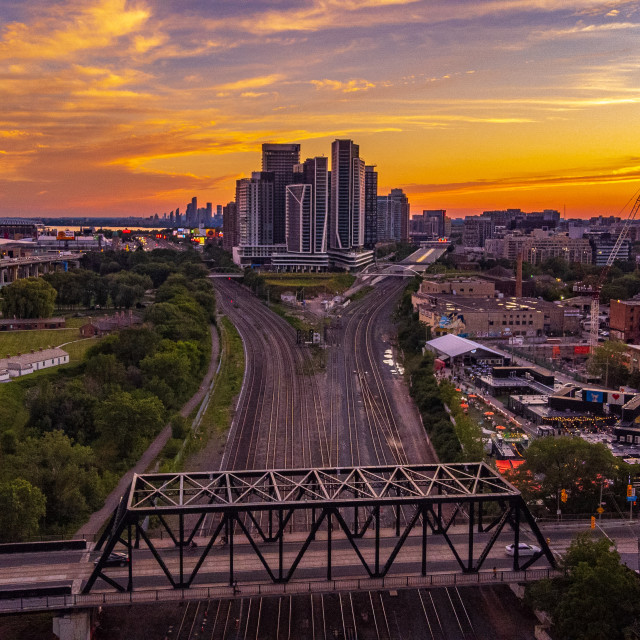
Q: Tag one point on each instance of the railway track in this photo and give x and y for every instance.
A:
(283, 421)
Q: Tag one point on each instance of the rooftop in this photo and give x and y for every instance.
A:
(630, 303)
(30, 358)
(10, 321)
(483, 305)
(453, 346)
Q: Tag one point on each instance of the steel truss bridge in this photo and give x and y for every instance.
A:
(373, 515)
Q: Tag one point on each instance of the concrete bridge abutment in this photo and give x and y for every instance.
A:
(74, 625)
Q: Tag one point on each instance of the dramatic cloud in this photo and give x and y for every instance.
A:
(133, 106)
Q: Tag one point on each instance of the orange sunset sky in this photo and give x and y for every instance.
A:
(111, 107)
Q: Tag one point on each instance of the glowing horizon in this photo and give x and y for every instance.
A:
(118, 108)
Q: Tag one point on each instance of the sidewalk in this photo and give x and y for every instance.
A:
(98, 518)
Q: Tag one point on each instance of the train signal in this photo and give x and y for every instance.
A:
(593, 522)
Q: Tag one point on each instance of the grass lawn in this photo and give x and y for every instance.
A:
(78, 348)
(294, 321)
(218, 415)
(14, 342)
(314, 283)
(13, 413)
(75, 323)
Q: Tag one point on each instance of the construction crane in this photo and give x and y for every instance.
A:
(595, 290)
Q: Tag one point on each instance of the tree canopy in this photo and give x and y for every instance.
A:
(22, 506)
(597, 598)
(609, 361)
(65, 473)
(28, 298)
(572, 464)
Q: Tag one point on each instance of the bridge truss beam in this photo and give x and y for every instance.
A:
(362, 509)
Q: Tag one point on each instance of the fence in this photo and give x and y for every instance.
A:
(256, 590)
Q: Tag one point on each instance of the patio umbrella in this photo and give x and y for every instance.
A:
(488, 413)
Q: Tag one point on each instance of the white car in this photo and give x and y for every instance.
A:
(524, 549)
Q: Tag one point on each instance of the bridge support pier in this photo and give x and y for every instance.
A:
(74, 625)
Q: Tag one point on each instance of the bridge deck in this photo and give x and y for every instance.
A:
(150, 596)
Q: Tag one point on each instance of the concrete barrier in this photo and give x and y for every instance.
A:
(39, 547)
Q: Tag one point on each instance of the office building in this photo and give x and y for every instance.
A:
(192, 213)
(393, 217)
(346, 222)
(431, 224)
(279, 159)
(307, 206)
(476, 230)
(466, 287)
(370, 206)
(255, 216)
(540, 246)
(299, 218)
(602, 245)
(230, 236)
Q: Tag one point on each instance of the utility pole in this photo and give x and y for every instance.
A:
(600, 504)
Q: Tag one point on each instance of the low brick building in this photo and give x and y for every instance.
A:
(493, 317)
(624, 320)
(25, 324)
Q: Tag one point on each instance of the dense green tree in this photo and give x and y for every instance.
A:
(572, 464)
(597, 598)
(207, 300)
(194, 270)
(65, 473)
(22, 507)
(173, 366)
(28, 298)
(220, 258)
(134, 344)
(65, 406)
(157, 271)
(8, 442)
(104, 370)
(110, 267)
(75, 287)
(125, 421)
(127, 288)
(180, 319)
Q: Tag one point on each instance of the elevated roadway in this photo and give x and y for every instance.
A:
(73, 569)
(12, 269)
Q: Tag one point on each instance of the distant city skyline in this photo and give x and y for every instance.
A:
(118, 108)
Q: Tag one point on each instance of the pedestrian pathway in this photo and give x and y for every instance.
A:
(98, 518)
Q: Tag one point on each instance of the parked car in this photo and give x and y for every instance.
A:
(523, 550)
(115, 559)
